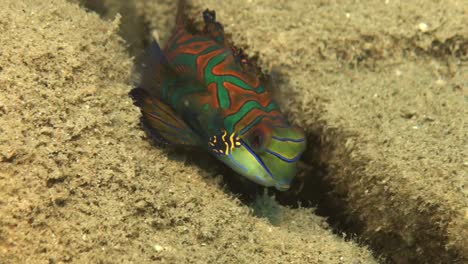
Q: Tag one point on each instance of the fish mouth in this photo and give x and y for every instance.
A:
(265, 178)
(282, 187)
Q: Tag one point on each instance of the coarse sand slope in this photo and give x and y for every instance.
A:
(81, 183)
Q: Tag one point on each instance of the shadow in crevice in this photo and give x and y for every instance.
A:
(315, 190)
(133, 28)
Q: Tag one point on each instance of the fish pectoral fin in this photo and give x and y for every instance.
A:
(162, 122)
(152, 71)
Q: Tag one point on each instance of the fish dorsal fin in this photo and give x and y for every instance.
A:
(213, 28)
(162, 122)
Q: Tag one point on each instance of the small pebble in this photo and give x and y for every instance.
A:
(440, 82)
(423, 27)
(158, 248)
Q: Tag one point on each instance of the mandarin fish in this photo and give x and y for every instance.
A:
(202, 91)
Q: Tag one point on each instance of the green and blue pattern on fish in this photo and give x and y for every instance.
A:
(202, 91)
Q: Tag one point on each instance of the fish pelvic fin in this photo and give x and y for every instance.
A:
(160, 120)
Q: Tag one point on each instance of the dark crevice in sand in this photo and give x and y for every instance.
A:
(389, 245)
(313, 189)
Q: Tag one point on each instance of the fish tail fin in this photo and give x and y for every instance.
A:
(181, 19)
(162, 123)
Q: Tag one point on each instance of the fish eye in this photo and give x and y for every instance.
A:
(257, 139)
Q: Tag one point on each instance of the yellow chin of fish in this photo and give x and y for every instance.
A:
(263, 168)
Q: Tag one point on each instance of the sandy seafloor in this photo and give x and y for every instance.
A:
(379, 86)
